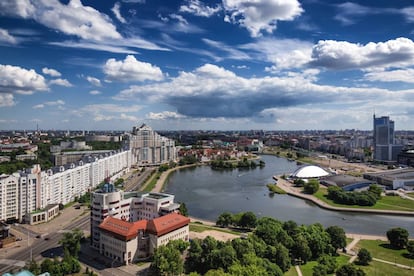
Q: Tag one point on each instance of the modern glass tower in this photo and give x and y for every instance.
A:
(384, 146)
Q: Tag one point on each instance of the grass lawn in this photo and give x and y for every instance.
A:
(291, 272)
(151, 182)
(385, 203)
(378, 268)
(307, 268)
(196, 227)
(381, 250)
(342, 259)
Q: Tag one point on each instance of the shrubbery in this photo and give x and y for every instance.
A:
(365, 198)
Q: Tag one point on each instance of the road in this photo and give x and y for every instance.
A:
(135, 181)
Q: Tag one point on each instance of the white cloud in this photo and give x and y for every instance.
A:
(117, 12)
(165, 115)
(213, 92)
(5, 37)
(129, 117)
(6, 99)
(131, 69)
(257, 16)
(94, 81)
(197, 8)
(61, 82)
(283, 53)
(402, 75)
(231, 51)
(408, 12)
(51, 72)
(58, 103)
(95, 92)
(14, 79)
(333, 54)
(110, 108)
(72, 19)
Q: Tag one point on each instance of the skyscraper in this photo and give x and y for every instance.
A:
(385, 148)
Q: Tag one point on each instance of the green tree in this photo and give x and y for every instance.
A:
(364, 256)
(183, 209)
(46, 265)
(311, 187)
(242, 246)
(328, 262)
(319, 270)
(300, 250)
(225, 219)
(194, 260)
(410, 248)
(349, 270)
(376, 190)
(337, 235)
(71, 242)
(167, 261)
(248, 220)
(398, 237)
(279, 255)
(33, 267)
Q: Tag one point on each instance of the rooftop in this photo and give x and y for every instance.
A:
(165, 224)
(124, 229)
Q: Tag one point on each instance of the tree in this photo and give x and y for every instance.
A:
(349, 270)
(328, 262)
(319, 270)
(338, 237)
(225, 219)
(183, 209)
(248, 220)
(364, 256)
(410, 248)
(33, 267)
(398, 237)
(71, 242)
(311, 187)
(194, 260)
(279, 255)
(167, 261)
(376, 190)
(46, 265)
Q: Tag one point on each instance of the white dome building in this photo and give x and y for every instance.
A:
(309, 171)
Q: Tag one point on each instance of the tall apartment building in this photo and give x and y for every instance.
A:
(150, 148)
(127, 206)
(385, 148)
(27, 191)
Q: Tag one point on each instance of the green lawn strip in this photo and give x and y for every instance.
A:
(196, 227)
(385, 203)
(275, 189)
(342, 259)
(152, 181)
(307, 268)
(381, 250)
(291, 272)
(379, 268)
(349, 240)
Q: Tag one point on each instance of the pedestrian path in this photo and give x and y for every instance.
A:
(298, 271)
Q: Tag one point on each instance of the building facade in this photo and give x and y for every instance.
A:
(149, 148)
(385, 148)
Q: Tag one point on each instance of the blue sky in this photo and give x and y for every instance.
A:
(220, 65)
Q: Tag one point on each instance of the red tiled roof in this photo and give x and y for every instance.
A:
(165, 224)
(124, 229)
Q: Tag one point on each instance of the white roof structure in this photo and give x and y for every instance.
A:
(309, 171)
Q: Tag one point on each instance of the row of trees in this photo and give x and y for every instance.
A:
(68, 264)
(269, 250)
(221, 164)
(364, 198)
(246, 220)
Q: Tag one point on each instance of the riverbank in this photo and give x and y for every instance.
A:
(159, 186)
(297, 192)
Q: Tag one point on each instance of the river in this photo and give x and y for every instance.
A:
(207, 193)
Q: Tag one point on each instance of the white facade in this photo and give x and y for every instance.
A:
(25, 192)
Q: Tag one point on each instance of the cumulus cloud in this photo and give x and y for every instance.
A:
(131, 69)
(212, 92)
(94, 81)
(57, 103)
(6, 99)
(95, 92)
(342, 55)
(165, 115)
(72, 19)
(14, 79)
(258, 16)
(61, 82)
(401, 75)
(7, 38)
(116, 9)
(51, 72)
(197, 8)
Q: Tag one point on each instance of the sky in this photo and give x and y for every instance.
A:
(206, 65)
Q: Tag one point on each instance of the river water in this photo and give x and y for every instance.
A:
(207, 193)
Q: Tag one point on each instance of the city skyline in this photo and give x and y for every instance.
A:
(190, 64)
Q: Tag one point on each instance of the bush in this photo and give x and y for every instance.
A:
(311, 187)
(364, 257)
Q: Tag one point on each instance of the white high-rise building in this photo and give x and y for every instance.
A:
(150, 148)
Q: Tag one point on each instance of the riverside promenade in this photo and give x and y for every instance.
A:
(289, 188)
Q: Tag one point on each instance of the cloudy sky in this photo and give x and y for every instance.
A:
(192, 64)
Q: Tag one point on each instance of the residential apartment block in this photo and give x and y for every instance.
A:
(150, 148)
